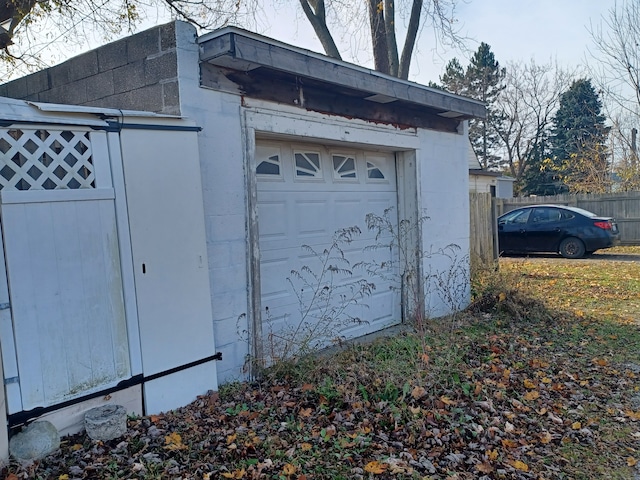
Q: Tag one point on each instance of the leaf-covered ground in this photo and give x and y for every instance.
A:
(524, 385)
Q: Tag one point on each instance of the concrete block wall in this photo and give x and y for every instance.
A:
(224, 191)
(135, 73)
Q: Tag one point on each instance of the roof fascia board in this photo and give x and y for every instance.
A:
(235, 48)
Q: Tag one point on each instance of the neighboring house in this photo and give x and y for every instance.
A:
(292, 146)
(484, 181)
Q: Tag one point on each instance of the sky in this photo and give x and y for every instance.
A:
(515, 29)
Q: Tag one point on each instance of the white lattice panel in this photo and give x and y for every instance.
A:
(45, 160)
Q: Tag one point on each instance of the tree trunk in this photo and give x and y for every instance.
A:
(390, 30)
(410, 41)
(315, 12)
(378, 37)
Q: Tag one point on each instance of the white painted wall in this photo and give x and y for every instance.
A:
(4, 432)
(444, 198)
(481, 183)
(442, 182)
(223, 188)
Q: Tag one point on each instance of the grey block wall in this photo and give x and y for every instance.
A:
(136, 73)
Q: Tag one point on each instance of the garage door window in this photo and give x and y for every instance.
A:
(308, 165)
(344, 167)
(269, 166)
(373, 172)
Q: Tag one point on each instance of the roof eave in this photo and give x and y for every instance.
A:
(238, 49)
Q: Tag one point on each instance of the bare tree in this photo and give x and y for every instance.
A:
(30, 25)
(526, 107)
(616, 40)
(616, 70)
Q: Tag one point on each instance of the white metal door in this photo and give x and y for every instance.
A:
(305, 194)
(166, 211)
(67, 334)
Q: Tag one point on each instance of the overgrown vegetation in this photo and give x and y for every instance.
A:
(535, 381)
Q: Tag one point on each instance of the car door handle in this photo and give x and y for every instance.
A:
(557, 230)
(522, 230)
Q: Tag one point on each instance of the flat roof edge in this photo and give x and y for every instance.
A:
(246, 49)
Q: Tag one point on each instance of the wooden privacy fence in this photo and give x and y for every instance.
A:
(624, 207)
(484, 245)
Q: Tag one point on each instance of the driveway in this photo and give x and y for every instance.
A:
(599, 256)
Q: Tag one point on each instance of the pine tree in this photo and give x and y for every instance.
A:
(482, 80)
(453, 78)
(486, 81)
(579, 155)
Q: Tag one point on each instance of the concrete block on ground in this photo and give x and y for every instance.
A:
(106, 422)
(36, 441)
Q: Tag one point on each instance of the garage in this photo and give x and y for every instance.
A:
(307, 193)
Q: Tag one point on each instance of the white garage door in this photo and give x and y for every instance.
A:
(305, 194)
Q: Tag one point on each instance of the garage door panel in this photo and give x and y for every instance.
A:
(295, 211)
(277, 226)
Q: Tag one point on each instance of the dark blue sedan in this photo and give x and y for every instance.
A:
(569, 231)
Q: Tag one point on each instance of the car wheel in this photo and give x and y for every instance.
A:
(572, 247)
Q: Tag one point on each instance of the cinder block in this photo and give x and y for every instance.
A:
(229, 279)
(146, 98)
(112, 55)
(37, 82)
(168, 36)
(143, 44)
(128, 77)
(59, 75)
(17, 88)
(171, 98)
(163, 67)
(229, 305)
(232, 367)
(226, 227)
(83, 66)
(219, 199)
(230, 330)
(100, 86)
(73, 94)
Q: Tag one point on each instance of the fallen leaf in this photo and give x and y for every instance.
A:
(418, 392)
(576, 425)
(305, 447)
(237, 474)
(519, 465)
(532, 395)
(528, 383)
(484, 467)
(545, 438)
(173, 441)
(601, 362)
(375, 467)
(306, 412)
(447, 401)
(631, 462)
(288, 469)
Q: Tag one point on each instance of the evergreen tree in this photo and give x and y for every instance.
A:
(482, 80)
(486, 81)
(579, 156)
(453, 79)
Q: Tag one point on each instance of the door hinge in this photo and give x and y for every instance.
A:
(4, 306)
(10, 380)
